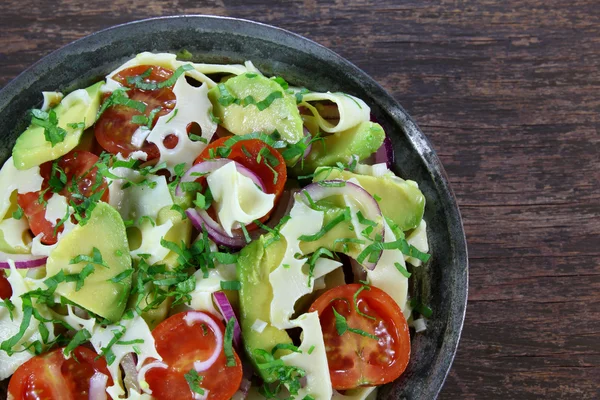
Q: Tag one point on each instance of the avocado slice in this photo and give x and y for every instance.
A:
(401, 200)
(362, 140)
(105, 231)
(31, 147)
(280, 115)
(254, 265)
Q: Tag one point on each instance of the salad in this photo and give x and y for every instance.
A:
(202, 231)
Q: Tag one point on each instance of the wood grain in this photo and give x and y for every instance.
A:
(508, 92)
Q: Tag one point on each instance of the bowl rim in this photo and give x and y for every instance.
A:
(280, 36)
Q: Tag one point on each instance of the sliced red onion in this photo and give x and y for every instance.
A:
(142, 374)
(282, 208)
(242, 392)
(98, 383)
(209, 166)
(309, 148)
(204, 222)
(21, 261)
(131, 374)
(323, 189)
(227, 311)
(385, 154)
(196, 316)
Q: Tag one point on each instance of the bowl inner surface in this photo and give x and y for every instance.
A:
(442, 283)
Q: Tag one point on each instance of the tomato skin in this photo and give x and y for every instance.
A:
(50, 376)
(180, 345)
(273, 184)
(5, 288)
(76, 164)
(356, 360)
(114, 128)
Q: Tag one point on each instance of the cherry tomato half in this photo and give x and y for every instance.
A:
(180, 345)
(51, 376)
(248, 153)
(77, 165)
(114, 128)
(356, 360)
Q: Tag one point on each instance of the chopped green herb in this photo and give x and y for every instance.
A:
(332, 183)
(194, 380)
(140, 82)
(261, 105)
(285, 346)
(78, 339)
(18, 214)
(231, 285)
(173, 115)
(228, 343)
(421, 308)
(313, 260)
(281, 82)
(184, 55)
(130, 342)
(180, 210)
(122, 276)
(344, 216)
(197, 138)
(214, 118)
(402, 270)
(312, 348)
(300, 95)
(120, 98)
(246, 234)
(355, 297)
(49, 121)
(341, 325)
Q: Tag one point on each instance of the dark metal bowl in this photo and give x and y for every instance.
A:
(443, 282)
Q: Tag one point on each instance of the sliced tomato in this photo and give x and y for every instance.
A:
(250, 153)
(356, 360)
(51, 376)
(114, 128)
(5, 288)
(78, 165)
(180, 345)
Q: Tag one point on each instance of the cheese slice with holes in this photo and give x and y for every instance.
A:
(237, 198)
(135, 329)
(23, 181)
(193, 106)
(318, 382)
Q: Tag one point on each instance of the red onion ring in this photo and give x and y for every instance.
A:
(385, 153)
(283, 207)
(196, 316)
(98, 383)
(309, 148)
(320, 190)
(208, 166)
(22, 261)
(142, 373)
(203, 222)
(227, 311)
(243, 390)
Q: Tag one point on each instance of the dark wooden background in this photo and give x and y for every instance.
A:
(509, 93)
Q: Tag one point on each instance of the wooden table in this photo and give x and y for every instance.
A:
(509, 93)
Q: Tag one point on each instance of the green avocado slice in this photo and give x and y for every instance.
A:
(104, 231)
(31, 148)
